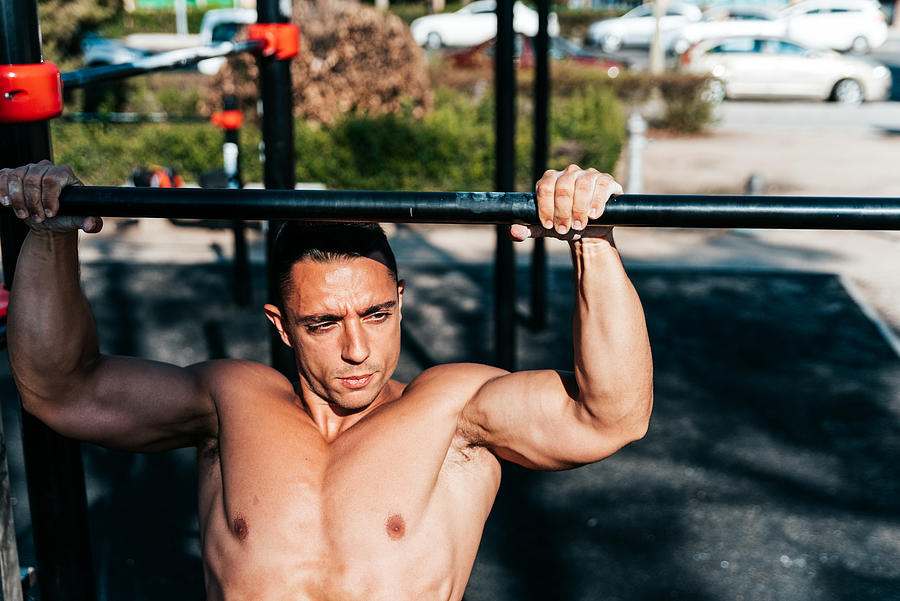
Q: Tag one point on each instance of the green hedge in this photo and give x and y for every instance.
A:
(451, 148)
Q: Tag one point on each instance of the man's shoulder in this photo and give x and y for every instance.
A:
(452, 381)
(227, 378)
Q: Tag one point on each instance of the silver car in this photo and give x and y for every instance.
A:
(774, 67)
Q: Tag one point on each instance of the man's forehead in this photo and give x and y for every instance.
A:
(362, 279)
(309, 267)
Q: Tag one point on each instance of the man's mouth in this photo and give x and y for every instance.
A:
(354, 382)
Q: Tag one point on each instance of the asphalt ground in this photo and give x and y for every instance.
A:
(769, 471)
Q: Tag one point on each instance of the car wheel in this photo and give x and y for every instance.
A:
(611, 43)
(433, 41)
(860, 45)
(715, 91)
(848, 92)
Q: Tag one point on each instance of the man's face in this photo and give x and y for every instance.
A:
(343, 322)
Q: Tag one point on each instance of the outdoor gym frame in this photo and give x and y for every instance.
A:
(53, 464)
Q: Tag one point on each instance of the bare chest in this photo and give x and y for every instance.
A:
(377, 509)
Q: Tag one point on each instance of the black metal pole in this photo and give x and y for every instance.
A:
(277, 107)
(639, 210)
(541, 144)
(241, 272)
(52, 463)
(505, 181)
(160, 62)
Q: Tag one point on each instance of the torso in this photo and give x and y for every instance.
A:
(393, 508)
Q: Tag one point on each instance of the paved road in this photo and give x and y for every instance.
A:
(751, 116)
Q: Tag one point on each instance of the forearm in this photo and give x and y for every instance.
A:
(52, 336)
(613, 365)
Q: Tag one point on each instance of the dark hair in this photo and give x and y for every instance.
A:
(325, 241)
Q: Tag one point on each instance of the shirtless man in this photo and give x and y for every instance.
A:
(347, 485)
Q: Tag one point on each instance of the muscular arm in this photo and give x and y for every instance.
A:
(548, 420)
(118, 402)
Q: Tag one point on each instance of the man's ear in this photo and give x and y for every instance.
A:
(401, 286)
(273, 314)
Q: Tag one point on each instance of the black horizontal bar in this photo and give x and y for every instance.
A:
(645, 210)
(130, 117)
(163, 61)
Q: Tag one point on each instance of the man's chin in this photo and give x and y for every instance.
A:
(356, 399)
(353, 402)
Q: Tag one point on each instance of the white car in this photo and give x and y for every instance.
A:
(637, 26)
(723, 21)
(769, 67)
(854, 25)
(475, 23)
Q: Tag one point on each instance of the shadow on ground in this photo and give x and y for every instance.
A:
(769, 472)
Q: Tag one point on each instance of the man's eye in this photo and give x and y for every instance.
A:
(380, 316)
(319, 327)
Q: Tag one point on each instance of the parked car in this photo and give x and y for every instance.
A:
(637, 26)
(560, 49)
(475, 23)
(772, 67)
(722, 21)
(853, 25)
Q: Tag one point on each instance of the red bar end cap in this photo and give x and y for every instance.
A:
(30, 92)
(281, 39)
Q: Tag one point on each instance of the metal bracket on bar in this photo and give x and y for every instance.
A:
(281, 39)
(30, 93)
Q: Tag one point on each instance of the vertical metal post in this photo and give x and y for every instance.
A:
(52, 463)
(231, 161)
(505, 259)
(541, 144)
(637, 139)
(10, 580)
(276, 97)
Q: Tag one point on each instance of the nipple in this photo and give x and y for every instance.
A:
(395, 527)
(239, 527)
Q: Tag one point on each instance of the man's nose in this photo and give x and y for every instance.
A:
(355, 348)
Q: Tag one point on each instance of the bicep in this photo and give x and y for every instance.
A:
(134, 404)
(533, 418)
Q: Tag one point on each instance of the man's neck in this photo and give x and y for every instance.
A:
(332, 420)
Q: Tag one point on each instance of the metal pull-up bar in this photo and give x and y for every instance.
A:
(164, 61)
(643, 210)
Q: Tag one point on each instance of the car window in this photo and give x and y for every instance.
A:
(674, 12)
(737, 45)
(563, 47)
(641, 11)
(225, 31)
(781, 47)
(479, 8)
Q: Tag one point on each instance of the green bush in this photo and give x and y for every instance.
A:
(451, 148)
(105, 153)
